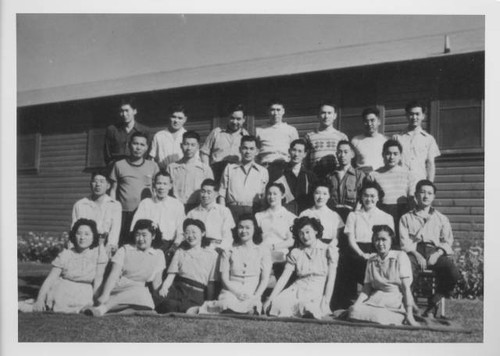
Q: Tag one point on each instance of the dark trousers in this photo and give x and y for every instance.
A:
(218, 169)
(125, 234)
(350, 271)
(181, 296)
(238, 210)
(396, 211)
(447, 273)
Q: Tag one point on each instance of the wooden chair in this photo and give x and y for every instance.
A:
(424, 288)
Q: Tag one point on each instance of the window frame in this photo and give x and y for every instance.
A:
(35, 167)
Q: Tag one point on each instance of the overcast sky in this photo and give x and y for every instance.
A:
(62, 49)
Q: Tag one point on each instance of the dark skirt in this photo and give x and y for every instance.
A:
(182, 295)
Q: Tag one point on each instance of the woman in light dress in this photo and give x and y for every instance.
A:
(315, 266)
(245, 270)
(76, 274)
(386, 296)
(133, 268)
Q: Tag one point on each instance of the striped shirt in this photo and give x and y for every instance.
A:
(324, 144)
(396, 183)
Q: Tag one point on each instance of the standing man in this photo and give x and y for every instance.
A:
(419, 147)
(166, 146)
(274, 140)
(189, 172)
(100, 207)
(345, 181)
(243, 184)
(117, 137)
(368, 146)
(324, 141)
(222, 146)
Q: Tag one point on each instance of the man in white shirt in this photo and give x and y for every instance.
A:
(100, 207)
(166, 146)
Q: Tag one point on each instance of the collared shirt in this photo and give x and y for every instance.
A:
(369, 150)
(345, 191)
(323, 145)
(330, 220)
(134, 183)
(80, 266)
(275, 226)
(197, 263)
(275, 141)
(387, 274)
(138, 265)
(360, 223)
(312, 261)
(396, 183)
(166, 147)
(218, 222)
(187, 179)
(418, 148)
(222, 145)
(244, 262)
(107, 215)
(168, 214)
(243, 185)
(117, 138)
(418, 226)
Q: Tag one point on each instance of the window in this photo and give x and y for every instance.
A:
(458, 125)
(95, 148)
(28, 153)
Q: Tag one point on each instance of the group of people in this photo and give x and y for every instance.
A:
(270, 223)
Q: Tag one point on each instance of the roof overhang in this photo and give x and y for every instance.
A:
(461, 42)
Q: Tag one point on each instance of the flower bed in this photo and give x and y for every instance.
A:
(38, 247)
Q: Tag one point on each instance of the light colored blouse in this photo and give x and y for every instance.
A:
(361, 222)
(330, 220)
(275, 225)
(197, 264)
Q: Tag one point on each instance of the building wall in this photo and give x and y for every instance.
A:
(45, 198)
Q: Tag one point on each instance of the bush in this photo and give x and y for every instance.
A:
(469, 259)
(38, 247)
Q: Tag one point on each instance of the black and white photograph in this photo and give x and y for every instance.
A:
(245, 177)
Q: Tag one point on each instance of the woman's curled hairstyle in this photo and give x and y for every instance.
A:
(149, 225)
(85, 222)
(299, 223)
(257, 232)
(379, 228)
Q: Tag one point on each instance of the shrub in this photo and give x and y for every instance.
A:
(469, 259)
(38, 247)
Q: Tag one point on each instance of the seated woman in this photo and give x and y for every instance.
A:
(353, 257)
(245, 270)
(387, 284)
(315, 267)
(191, 273)
(275, 223)
(76, 274)
(133, 266)
(331, 221)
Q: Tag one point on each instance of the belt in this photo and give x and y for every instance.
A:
(236, 203)
(190, 283)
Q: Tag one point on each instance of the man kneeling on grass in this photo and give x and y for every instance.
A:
(425, 234)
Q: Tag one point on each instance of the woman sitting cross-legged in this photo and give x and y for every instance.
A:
(76, 274)
(191, 273)
(386, 296)
(133, 266)
(315, 265)
(245, 270)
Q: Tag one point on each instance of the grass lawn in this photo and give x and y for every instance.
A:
(50, 327)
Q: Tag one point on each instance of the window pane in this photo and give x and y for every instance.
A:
(460, 128)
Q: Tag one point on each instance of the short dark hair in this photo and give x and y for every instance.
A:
(392, 143)
(100, 172)
(299, 141)
(236, 107)
(162, 173)
(208, 182)
(425, 182)
(280, 186)
(84, 222)
(345, 142)
(328, 103)
(369, 184)
(369, 111)
(257, 234)
(378, 228)
(321, 183)
(198, 223)
(177, 108)
(147, 224)
(191, 134)
(249, 138)
(139, 134)
(129, 100)
(275, 101)
(416, 104)
(299, 223)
